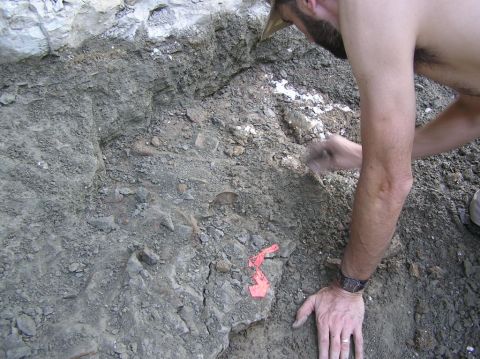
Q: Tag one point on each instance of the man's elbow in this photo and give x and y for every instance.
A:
(388, 185)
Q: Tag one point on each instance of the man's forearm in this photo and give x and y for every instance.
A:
(378, 202)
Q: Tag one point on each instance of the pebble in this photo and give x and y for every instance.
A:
(7, 98)
(140, 148)
(203, 238)
(223, 266)
(206, 143)
(166, 220)
(424, 340)
(182, 188)
(105, 224)
(126, 191)
(436, 272)
(26, 325)
(235, 151)
(156, 141)
(258, 241)
(243, 237)
(120, 348)
(196, 114)
(414, 270)
(76, 267)
(146, 255)
(142, 195)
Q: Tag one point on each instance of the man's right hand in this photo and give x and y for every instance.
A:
(339, 316)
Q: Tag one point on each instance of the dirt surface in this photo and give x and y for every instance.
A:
(133, 241)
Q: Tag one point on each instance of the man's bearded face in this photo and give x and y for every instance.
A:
(323, 33)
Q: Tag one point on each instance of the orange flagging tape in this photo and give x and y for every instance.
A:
(260, 288)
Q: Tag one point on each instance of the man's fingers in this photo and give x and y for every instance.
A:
(305, 310)
(323, 334)
(345, 343)
(358, 340)
(334, 344)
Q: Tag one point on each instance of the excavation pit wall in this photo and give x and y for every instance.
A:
(139, 175)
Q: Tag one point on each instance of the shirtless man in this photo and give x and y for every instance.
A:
(386, 42)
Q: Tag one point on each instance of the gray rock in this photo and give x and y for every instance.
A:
(206, 142)
(134, 267)
(223, 266)
(166, 221)
(18, 353)
(26, 325)
(147, 256)
(142, 195)
(120, 348)
(258, 241)
(105, 224)
(126, 191)
(7, 98)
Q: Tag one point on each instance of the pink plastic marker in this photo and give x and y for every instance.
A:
(260, 288)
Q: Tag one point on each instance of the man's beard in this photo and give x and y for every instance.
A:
(324, 34)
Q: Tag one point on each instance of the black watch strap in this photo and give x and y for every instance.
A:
(349, 284)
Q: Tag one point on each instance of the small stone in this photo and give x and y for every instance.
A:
(453, 179)
(26, 325)
(258, 241)
(203, 238)
(243, 237)
(120, 348)
(166, 220)
(142, 195)
(206, 143)
(18, 353)
(424, 340)
(47, 310)
(269, 112)
(182, 187)
(126, 191)
(333, 263)
(235, 151)
(196, 114)
(223, 266)
(140, 148)
(147, 256)
(156, 141)
(7, 98)
(43, 165)
(75, 267)
(414, 270)
(436, 272)
(188, 197)
(134, 266)
(105, 224)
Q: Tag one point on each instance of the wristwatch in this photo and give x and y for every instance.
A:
(349, 284)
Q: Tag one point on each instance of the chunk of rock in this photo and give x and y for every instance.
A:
(196, 114)
(105, 224)
(156, 141)
(134, 266)
(235, 151)
(140, 148)
(258, 241)
(223, 266)
(206, 142)
(142, 195)
(424, 340)
(182, 188)
(146, 255)
(7, 98)
(414, 270)
(26, 325)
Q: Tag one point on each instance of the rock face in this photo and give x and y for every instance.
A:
(37, 27)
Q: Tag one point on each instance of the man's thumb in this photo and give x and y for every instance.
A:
(305, 310)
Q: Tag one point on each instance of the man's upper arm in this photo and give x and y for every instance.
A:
(379, 36)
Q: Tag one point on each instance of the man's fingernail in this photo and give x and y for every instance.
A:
(296, 324)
